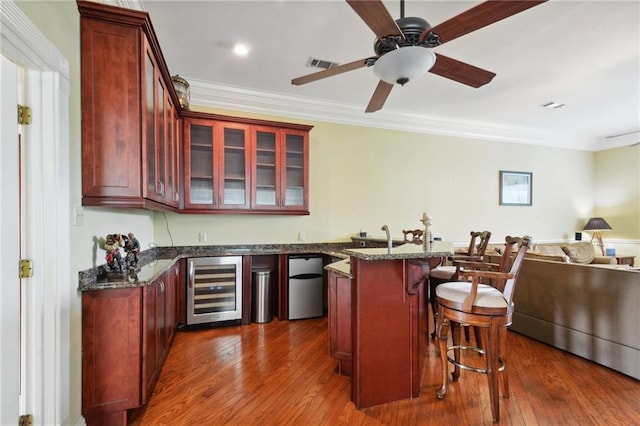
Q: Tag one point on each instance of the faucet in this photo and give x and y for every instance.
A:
(386, 229)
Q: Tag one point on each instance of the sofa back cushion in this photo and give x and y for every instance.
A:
(548, 252)
(581, 252)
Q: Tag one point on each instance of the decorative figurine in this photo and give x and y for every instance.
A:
(428, 240)
(132, 248)
(112, 245)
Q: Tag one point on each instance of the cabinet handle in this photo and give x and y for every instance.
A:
(192, 274)
(161, 186)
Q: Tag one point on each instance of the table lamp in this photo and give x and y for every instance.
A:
(597, 224)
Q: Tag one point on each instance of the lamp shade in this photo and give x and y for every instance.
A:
(404, 64)
(597, 224)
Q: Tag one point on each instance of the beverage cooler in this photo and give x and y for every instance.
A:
(214, 291)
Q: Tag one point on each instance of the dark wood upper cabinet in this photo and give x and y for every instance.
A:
(141, 150)
(216, 165)
(129, 119)
(244, 165)
(280, 171)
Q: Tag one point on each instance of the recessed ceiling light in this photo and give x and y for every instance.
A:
(552, 105)
(241, 49)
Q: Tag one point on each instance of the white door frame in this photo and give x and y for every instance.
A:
(46, 220)
(9, 255)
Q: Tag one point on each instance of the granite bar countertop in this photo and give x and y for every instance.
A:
(142, 276)
(405, 251)
(342, 267)
(155, 261)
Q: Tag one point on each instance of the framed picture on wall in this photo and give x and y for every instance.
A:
(515, 188)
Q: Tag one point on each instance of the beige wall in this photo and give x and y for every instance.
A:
(617, 197)
(362, 178)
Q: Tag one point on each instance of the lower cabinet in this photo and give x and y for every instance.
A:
(126, 336)
(340, 335)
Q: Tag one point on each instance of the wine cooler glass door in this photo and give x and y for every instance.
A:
(215, 289)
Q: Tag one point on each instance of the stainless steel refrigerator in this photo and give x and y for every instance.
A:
(305, 286)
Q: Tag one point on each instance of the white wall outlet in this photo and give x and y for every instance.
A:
(301, 236)
(78, 216)
(202, 237)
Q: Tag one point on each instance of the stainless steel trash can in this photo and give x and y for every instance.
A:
(261, 307)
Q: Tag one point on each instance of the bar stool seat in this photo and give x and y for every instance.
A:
(454, 293)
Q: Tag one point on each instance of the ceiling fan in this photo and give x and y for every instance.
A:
(404, 47)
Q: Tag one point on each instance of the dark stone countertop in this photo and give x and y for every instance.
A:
(405, 251)
(341, 267)
(155, 261)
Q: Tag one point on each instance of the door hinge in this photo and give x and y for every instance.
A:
(26, 268)
(24, 114)
(25, 420)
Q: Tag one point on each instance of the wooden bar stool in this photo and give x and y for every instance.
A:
(446, 273)
(488, 307)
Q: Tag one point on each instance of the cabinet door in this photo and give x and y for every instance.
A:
(110, 112)
(280, 172)
(150, 367)
(234, 168)
(200, 185)
(181, 292)
(161, 320)
(111, 349)
(295, 171)
(155, 136)
(149, 126)
(217, 158)
(340, 335)
(172, 193)
(265, 170)
(171, 309)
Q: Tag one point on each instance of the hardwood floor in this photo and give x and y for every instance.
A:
(281, 373)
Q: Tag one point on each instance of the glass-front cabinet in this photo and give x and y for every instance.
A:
(265, 174)
(280, 169)
(244, 165)
(296, 177)
(161, 139)
(216, 158)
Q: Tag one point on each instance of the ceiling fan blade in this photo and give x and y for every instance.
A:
(477, 17)
(379, 96)
(329, 72)
(376, 16)
(461, 72)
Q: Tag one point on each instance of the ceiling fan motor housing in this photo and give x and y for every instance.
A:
(412, 28)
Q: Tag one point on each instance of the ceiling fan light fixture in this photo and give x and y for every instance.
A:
(404, 64)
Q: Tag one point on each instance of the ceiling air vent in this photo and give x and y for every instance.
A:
(319, 63)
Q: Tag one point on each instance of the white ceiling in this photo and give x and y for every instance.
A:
(584, 54)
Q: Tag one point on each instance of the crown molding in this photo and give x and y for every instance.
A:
(23, 43)
(208, 94)
(631, 138)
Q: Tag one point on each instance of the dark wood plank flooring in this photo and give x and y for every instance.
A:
(281, 373)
